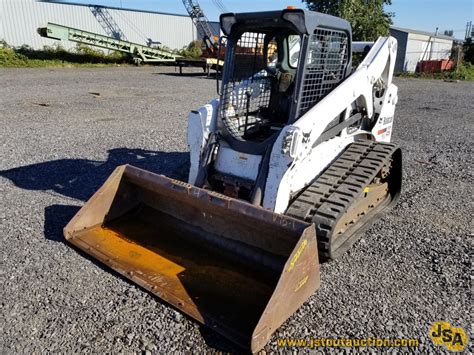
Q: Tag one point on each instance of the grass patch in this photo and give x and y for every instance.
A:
(464, 72)
(57, 56)
(81, 55)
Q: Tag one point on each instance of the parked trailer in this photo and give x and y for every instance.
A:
(205, 63)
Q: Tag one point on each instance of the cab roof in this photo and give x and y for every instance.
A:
(301, 21)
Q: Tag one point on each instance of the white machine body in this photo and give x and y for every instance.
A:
(295, 161)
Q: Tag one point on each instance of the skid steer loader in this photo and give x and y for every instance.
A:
(289, 165)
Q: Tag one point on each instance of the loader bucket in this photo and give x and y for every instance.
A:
(237, 268)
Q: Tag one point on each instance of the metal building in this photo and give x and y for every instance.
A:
(19, 20)
(415, 46)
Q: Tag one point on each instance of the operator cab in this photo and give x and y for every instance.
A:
(277, 66)
(266, 71)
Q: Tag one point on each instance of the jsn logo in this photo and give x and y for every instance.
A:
(442, 333)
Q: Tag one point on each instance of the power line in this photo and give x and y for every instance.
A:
(220, 6)
(223, 6)
(134, 28)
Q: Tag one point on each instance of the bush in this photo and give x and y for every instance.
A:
(193, 50)
(94, 54)
(4, 44)
(56, 55)
(86, 50)
(465, 71)
(9, 58)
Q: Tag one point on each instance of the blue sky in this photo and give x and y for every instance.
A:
(416, 14)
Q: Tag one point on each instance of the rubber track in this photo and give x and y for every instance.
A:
(326, 200)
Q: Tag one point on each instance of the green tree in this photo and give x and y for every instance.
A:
(468, 48)
(368, 18)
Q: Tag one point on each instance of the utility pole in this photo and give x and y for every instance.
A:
(458, 58)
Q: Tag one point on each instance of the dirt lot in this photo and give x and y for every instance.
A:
(64, 131)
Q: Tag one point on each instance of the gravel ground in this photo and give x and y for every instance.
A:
(64, 131)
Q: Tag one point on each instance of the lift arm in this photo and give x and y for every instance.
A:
(376, 69)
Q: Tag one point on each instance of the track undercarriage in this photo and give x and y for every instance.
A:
(348, 196)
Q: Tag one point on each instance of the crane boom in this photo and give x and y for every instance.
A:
(107, 22)
(201, 22)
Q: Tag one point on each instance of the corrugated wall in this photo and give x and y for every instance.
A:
(421, 47)
(19, 20)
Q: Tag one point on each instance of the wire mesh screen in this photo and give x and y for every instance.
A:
(325, 65)
(248, 88)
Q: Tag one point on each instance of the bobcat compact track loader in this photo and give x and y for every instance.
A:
(293, 160)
